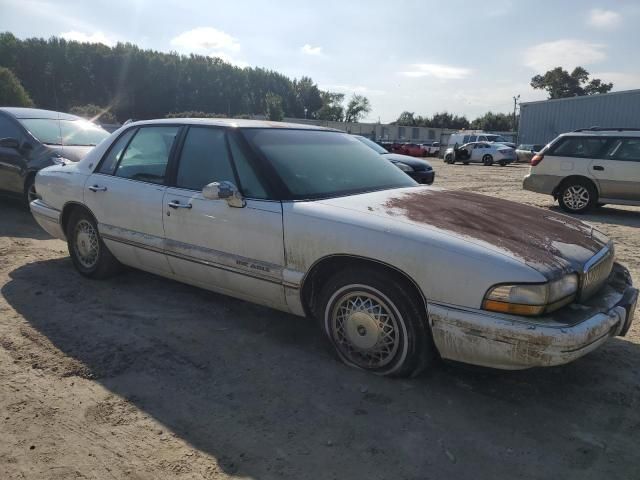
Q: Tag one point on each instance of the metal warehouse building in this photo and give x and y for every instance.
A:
(541, 122)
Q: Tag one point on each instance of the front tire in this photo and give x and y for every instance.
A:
(89, 254)
(375, 324)
(577, 196)
(29, 194)
(449, 159)
(487, 160)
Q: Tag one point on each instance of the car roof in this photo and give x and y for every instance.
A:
(19, 112)
(233, 122)
(604, 133)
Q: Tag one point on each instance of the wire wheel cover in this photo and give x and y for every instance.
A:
(86, 244)
(365, 329)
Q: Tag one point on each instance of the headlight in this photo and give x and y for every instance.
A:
(403, 166)
(532, 299)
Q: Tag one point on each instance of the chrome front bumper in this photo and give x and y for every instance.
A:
(511, 342)
(48, 218)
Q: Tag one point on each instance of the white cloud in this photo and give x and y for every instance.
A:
(359, 89)
(603, 19)
(95, 37)
(566, 53)
(309, 50)
(209, 41)
(442, 72)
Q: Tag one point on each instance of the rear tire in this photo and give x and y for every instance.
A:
(89, 254)
(577, 196)
(375, 324)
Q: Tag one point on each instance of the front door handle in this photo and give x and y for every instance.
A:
(177, 204)
(598, 167)
(97, 188)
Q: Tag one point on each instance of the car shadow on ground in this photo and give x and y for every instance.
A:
(261, 392)
(610, 214)
(18, 221)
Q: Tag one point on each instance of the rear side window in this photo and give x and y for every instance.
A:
(109, 163)
(625, 149)
(204, 159)
(147, 155)
(582, 147)
(8, 129)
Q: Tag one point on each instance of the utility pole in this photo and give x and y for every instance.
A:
(516, 99)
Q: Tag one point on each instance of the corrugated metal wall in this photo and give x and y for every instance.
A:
(541, 122)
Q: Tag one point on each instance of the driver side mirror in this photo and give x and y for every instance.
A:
(224, 190)
(9, 142)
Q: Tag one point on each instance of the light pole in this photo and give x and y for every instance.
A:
(516, 99)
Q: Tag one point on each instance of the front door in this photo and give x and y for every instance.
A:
(12, 161)
(618, 172)
(125, 194)
(235, 251)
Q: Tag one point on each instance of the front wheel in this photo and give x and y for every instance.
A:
(577, 196)
(29, 194)
(374, 324)
(449, 159)
(89, 254)
(487, 160)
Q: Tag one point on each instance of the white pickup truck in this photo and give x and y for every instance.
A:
(432, 149)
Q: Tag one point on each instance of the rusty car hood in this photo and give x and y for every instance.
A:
(550, 242)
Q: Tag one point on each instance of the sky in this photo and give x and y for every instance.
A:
(420, 56)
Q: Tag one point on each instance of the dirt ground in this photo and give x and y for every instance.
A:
(144, 378)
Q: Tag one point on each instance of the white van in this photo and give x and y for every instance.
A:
(468, 136)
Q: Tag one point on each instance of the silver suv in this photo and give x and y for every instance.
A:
(589, 167)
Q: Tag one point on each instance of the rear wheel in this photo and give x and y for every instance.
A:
(577, 196)
(375, 324)
(89, 254)
(487, 160)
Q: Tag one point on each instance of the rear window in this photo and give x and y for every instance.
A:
(580, 147)
(65, 132)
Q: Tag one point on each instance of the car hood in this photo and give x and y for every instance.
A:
(547, 241)
(414, 162)
(74, 153)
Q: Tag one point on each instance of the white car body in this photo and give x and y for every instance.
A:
(470, 136)
(481, 152)
(612, 166)
(267, 251)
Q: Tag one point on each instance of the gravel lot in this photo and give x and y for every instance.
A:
(144, 378)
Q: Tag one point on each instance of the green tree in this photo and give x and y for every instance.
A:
(308, 96)
(357, 108)
(94, 113)
(12, 93)
(406, 119)
(273, 107)
(559, 83)
(447, 120)
(332, 108)
(497, 122)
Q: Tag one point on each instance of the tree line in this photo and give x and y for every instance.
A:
(130, 82)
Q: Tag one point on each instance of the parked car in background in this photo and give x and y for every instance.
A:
(525, 152)
(589, 167)
(432, 149)
(31, 139)
(420, 170)
(481, 152)
(464, 137)
(311, 221)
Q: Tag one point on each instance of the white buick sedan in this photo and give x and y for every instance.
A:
(311, 221)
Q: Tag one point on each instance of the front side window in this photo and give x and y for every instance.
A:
(250, 185)
(317, 164)
(109, 163)
(625, 149)
(204, 159)
(582, 147)
(147, 155)
(51, 131)
(8, 129)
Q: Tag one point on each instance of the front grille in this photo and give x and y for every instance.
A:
(596, 272)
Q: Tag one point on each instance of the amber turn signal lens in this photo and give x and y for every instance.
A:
(536, 159)
(512, 308)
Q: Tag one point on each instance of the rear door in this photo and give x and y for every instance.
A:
(125, 194)
(236, 251)
(573, 155)
(618, 171)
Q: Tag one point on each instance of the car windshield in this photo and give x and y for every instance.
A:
(319, 164)
(65, 132)
(495, 138)
(373, 145)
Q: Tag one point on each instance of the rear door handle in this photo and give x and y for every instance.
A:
(97, 188)
(598, 167)
(177, 204)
